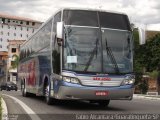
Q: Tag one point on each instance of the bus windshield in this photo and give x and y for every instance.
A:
(92, 46)
(116, 47)
(82, 49)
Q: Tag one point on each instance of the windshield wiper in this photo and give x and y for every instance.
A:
(66, 33)
(92, 56)
(112, 58)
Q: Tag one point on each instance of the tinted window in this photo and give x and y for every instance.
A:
(113, 20)
(80, 17)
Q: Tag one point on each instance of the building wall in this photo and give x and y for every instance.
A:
(13, 49)
(11, 29)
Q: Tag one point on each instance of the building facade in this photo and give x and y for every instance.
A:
(13, 53)
(15, 28)
(13, 31)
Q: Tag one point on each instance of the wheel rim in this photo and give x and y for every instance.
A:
(47, 93)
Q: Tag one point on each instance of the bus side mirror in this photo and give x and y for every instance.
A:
(142, 35)
(59, 30)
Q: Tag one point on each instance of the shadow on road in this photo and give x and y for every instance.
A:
(72, 105)
(75, 105)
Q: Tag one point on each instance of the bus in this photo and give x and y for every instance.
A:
(79, 54)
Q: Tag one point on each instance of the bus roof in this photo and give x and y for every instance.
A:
(93, 9)
(69, 8)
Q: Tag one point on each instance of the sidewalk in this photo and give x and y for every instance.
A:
(144, 96)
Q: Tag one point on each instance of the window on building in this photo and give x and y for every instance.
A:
(13, 50)
(1, 32)
(8, 27)
(2, 26)
(21, 35)
(15, 27)
(16, 21)
(27, 23)
(1, 39)
(3, 20)
(27, 29)
(13, 21)
(21, 22)
(14, 74)
(8, 20)
(8, 33)
(14, 34)
(21, 28)
(33, 23)
(33, 31)
(0, 46)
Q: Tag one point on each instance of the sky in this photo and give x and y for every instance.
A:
(143, 12)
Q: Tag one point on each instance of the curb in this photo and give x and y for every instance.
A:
(145, 97)
(4, 110)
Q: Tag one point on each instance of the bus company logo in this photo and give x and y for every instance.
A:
(102, 78)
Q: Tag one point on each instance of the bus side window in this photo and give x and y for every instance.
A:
(56, 47)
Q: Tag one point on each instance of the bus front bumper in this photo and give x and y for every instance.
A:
(89, 93)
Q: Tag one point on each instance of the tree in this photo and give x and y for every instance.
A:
(137, 62)
(146, 57)
(15, 62)
(151, 57)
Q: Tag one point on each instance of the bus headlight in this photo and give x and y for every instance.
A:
(71, 80)
(128, 80)
(67, 79)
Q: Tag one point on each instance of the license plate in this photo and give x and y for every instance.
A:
(102, 93)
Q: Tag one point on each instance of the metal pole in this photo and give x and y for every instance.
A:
(6, 70)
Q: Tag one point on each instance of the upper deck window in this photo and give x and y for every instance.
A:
(113, 20)
(80, 18)
(90, 18)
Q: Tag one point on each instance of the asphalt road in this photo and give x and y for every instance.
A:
(77, 109)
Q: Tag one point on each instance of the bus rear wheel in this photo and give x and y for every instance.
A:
(24, 92)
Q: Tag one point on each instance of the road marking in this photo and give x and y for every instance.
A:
(26, 108)
(4, 110)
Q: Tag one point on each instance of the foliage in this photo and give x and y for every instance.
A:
(146, 57)
(151, 51)
(153, 74)
(138, 67)
(143, 86)
(15, 62)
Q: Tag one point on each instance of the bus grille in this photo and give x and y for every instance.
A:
(113, 82)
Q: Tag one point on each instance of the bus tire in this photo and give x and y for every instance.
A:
(104, 103)
(48, 98)
(24, 92)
